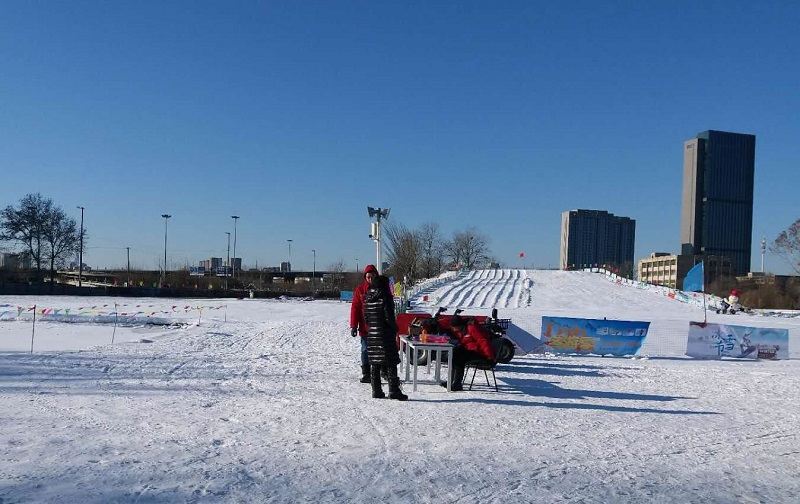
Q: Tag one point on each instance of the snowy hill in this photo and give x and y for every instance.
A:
(527, 295)
(260, 402)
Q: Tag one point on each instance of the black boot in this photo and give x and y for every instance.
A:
(365, 373)
(458, 377)
(377, 390)
(395, 392)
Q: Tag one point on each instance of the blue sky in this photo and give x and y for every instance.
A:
(297, 115)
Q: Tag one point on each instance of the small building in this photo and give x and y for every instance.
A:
(9, 261)
(669, 270)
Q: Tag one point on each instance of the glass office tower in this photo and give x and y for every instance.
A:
(717, 209)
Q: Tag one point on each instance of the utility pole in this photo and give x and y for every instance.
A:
(80, 253)
(314, 271)
(129, 265)
(375, 232)
(356, 264)
(289, 261)
(166, 219)
(763, 251)
(228, 265)
(235, 220)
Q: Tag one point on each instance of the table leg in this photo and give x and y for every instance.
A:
(438, 369)
(408, 359)
(449, 369)
(415, 372)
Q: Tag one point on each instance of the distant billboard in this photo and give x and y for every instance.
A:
(593, 336)
(714, 341)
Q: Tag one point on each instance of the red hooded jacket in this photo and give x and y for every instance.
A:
(476, 340)
(357, 307)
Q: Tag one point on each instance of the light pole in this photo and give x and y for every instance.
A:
(129, 265)
(375, 231)
(80, 253)
(763, 251)
(228, 264)
(356, 264)
(235, 220)
(314, 271)
(289, 261)
(166, 219)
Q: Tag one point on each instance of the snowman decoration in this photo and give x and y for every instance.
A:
(731, 304)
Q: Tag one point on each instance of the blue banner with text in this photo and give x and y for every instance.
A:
(593, 336)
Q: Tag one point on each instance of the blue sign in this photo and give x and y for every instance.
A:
(593, 336)
(346, 296)
(694, 280)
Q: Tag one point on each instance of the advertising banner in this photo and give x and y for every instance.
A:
(714, 341)
(593, 336)
(346, 296)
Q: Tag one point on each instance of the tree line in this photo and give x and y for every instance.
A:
(44, 232)
(425, 252)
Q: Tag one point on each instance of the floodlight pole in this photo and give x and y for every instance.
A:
(228, 265)
(314, 271)
(129, 265)
(80, 253)
(289, 257)
(378, 213)
(235, 220)
(166, 219)
(763, 251)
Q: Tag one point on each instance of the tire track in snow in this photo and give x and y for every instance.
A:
(475, 294)
(445, 293)
(491, 287)
(514, 279)
(482, 280)
(471, 279)
(492, 293)
(469, 301)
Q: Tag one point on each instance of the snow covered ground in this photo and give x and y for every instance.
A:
(266, 407)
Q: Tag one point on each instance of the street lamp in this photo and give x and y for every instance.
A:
(235, 220)
(375, 231)
(314, 270)
(80, 253)
(356, 264)
(289, 262)
(228, 264)
(166, 219)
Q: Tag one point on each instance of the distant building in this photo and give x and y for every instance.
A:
(10, 261)
(597, 238)
(211, 265)
(717, 208)
(670, 270)
(286, 267)
(756, 278)
(236, 263)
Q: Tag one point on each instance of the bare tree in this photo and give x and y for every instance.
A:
(337, 271)
(431, 255)
(468, 248)
(61, 237)
(26, 226)
(787, 245)
(402, 250)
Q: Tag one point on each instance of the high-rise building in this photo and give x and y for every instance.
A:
(717, 209)
(597, 238)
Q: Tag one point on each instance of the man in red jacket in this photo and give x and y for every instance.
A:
(358, 324)
(474, 343)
